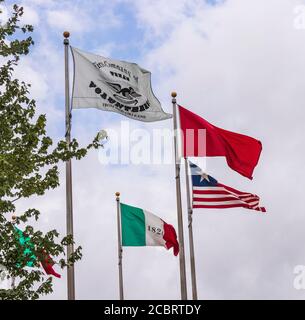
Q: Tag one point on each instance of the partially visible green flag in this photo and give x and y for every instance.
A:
(28, 251)
(46, 261)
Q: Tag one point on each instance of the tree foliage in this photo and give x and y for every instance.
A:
(28, 166)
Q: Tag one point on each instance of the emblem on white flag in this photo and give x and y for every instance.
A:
(113, 85)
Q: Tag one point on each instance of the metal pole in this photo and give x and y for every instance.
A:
(13, 283)
(190, 227)
(69, 205)
(120, 249)
(179, 206)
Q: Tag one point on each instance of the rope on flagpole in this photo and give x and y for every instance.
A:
(66, 35)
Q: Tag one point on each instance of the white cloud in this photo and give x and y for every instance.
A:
(41, 2)
(4, 15)
(159, 18)
(74, 21)
(106, 49)
(31, 75)
(79, 19)
(30, 16)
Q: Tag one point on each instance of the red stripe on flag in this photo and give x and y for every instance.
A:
(261, 209)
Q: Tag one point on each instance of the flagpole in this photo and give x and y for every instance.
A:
(190, 227)
(69, 204)
(14, 218)
(179, 205)
(120, 249)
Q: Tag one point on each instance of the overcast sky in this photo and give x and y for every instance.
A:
(240, 64)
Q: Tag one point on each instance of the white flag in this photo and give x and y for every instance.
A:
(113, 85)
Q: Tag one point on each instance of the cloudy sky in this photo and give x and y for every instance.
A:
(240, 64)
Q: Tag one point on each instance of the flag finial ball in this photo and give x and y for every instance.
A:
(117, 194)
(66, 34)
(174, 94)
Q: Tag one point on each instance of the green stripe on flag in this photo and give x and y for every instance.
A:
(133, 226)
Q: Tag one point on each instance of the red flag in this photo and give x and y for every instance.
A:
(47, 264)
(242, 152)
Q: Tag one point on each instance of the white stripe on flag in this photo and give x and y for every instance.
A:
(224, 203)
(209, 189)
(201, 195)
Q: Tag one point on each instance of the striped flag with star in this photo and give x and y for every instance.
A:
(209, 194)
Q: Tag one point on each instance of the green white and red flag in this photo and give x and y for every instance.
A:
(142, 228)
